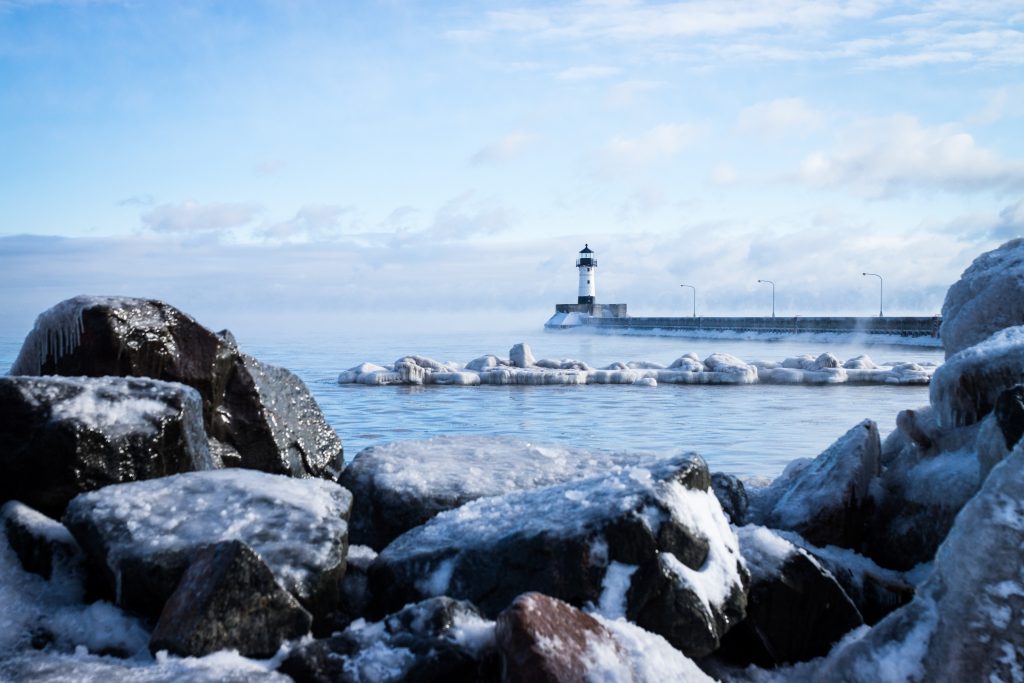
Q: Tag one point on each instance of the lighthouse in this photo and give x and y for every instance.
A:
(588, 275)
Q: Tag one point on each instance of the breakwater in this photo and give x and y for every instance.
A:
(923, 328)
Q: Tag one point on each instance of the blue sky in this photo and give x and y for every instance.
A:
(290, 158)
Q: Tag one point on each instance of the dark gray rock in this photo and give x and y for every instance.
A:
(433, 641)
(988, 297)
(265, 413)
(61, 436)
(825, 500)
(561, 540)
(228, 599)
(142, 536)
(732, 495)
(1010, 414)
(526, 630)
(796, 610)
(42, 544)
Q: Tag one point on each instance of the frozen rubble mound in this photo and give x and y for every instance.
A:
(257, 416)
(401, 485)
(521, 368)
(64, 436)
(988, 297)
(650, 543)
(143, 535)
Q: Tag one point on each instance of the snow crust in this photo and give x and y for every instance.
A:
(293, 524)
(651, 658)
(764, 551)
(614, 588)
(718, 368)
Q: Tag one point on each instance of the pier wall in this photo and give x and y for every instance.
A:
(903, 326)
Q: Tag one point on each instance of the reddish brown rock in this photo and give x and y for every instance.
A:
(544, 640)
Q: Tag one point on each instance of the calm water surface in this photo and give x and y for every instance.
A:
(745, 430)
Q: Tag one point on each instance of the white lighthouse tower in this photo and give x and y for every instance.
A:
(588, 275)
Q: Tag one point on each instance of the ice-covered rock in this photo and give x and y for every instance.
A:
(42, 544)
(824, 500)
(81, 667)
(438, 639)
(561, 540)
(63, 436)
(228, 599)
(1009, 413)
(487, 362)
(646, 382)
(689, 362)
(796, 610)
(861, 362)
(965, 388)
(144, 534)
(542, 639)
(521, 355)
(265, 413)
(730, 369)
(966, 622)
(401, 485)
(732, 495)
(988, 297)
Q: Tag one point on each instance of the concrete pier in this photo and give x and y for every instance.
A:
(923, 328)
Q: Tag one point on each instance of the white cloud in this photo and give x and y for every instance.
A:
(783, 116)
(505, 148)
(661, 142)
(311, 222)
(587, 73)
(466, 216)
(193, 217)
(883, 157)
(723, 174)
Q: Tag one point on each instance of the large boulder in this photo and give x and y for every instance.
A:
(143, 535)
(435, 640)
(965, 388)
(565, 540)
(228, 599)
(732, 495)
(401, 485)
(788, 587)
(544, 640)
(61, 436)
(966, 622)
(988, 297)
(264, 413)
(43, 545)
(824, 500)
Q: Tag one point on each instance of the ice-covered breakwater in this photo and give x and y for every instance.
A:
(719, 368)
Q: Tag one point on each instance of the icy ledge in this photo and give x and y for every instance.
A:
(718, 368)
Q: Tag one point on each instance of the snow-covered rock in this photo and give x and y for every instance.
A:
(401, 485)
(732, 495)
(988, 297)
(43, 545)
(561, 540)
(966, 622)
(265, 413)
(228, 600)
(63, 436)
(965, 388)
(544, 639)
(144, 534)
(81, 667)
(824, 500)
(796, 610)
(438, 639)
(521, 355)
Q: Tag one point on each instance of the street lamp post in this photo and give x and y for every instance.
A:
(769, 282)
(879, 292)
(694, 298)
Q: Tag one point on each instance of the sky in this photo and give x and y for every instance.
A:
(293, 164)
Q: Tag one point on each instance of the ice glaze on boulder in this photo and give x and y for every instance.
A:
(42, 544)
(824, 500)
(265, 413)
(988, 297)
(965, 623)
(61, 436)
(143, 535)
(228, 599)
(561, 540)
(438, 639)
(401, 485)
(544, 640)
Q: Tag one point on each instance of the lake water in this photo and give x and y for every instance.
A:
(744, 430)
